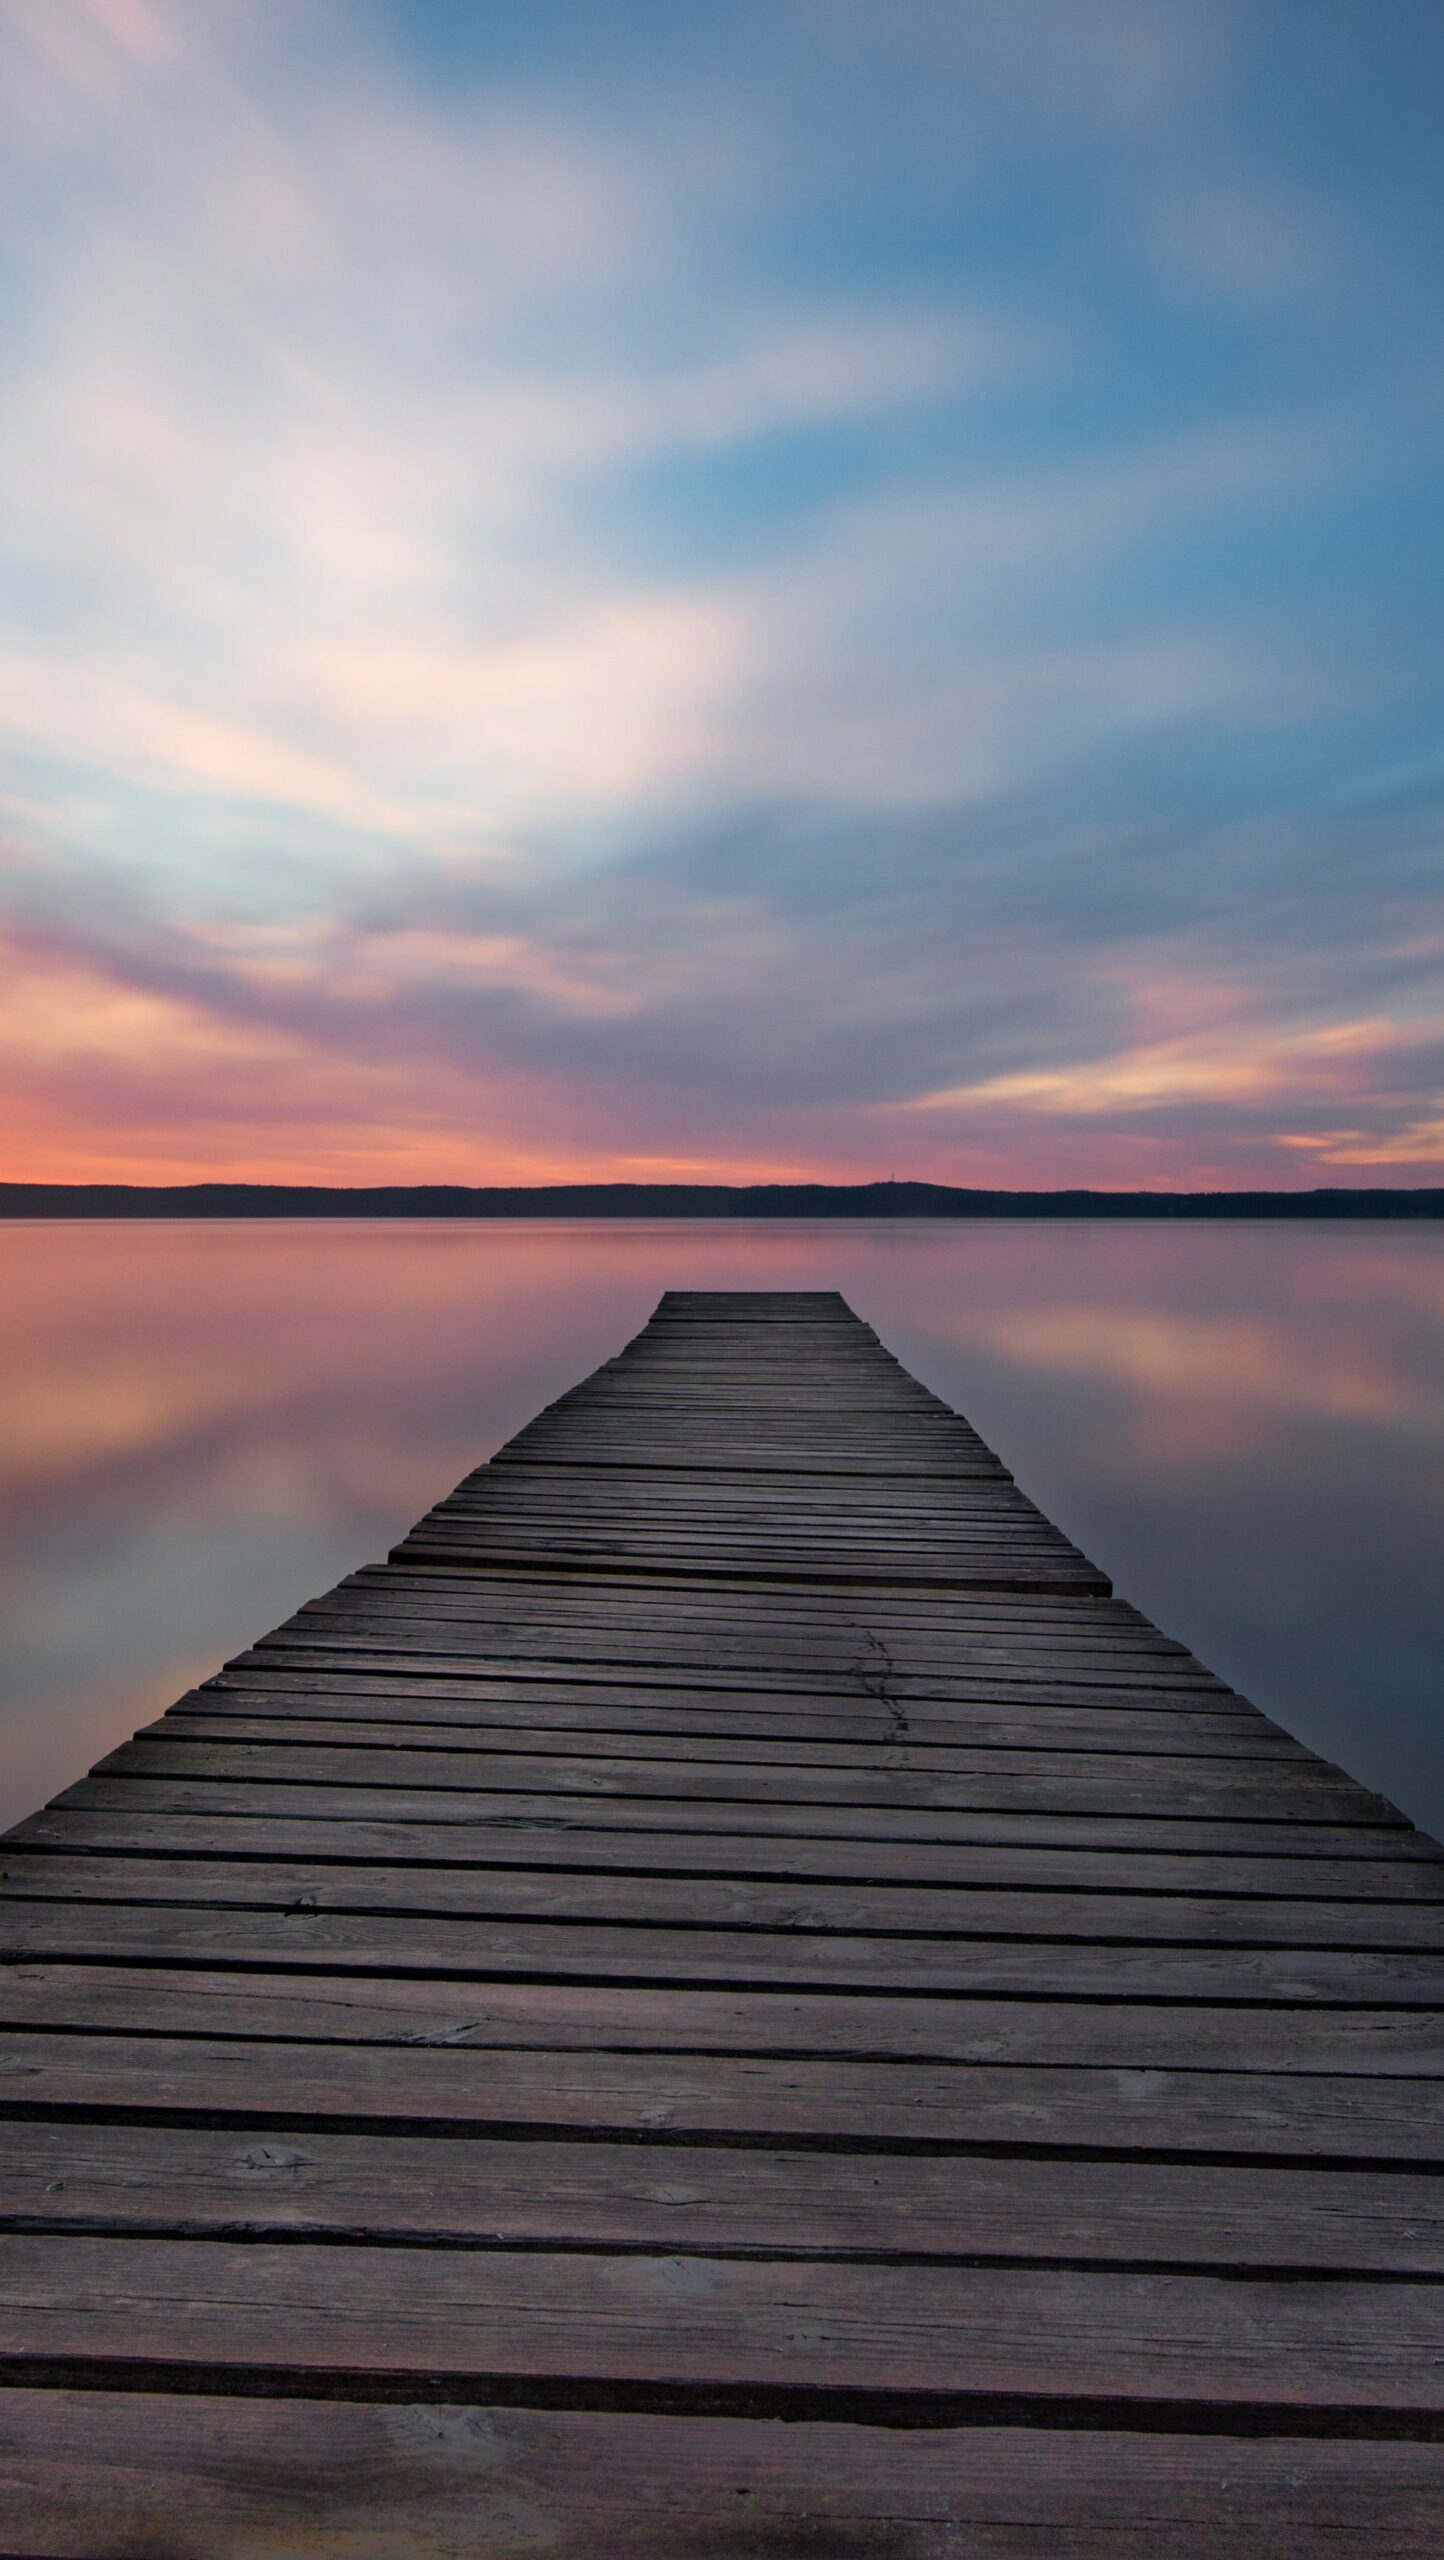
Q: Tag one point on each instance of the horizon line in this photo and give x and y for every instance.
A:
(886, 1195)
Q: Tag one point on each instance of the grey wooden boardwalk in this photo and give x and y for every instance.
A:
(728, 2003)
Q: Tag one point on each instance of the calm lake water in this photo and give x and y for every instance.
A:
(201, 1426)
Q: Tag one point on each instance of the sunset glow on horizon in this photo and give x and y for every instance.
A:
(780, 592)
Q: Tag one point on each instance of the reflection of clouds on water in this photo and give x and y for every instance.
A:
(1318, 1329)
(1394, 1275)
(207, 1424)
(1185, 1357)
(72, 1723)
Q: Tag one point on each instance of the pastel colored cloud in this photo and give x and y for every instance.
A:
(838, 590)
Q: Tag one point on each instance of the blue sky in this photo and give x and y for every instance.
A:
(808, 588)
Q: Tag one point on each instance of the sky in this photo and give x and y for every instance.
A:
(762, 590)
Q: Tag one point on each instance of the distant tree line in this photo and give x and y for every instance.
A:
(685, 1200)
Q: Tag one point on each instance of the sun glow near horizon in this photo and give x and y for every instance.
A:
(758, 594)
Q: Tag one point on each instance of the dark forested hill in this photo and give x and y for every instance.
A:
(686, 1200)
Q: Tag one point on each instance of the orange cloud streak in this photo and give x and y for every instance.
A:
(301, 1055)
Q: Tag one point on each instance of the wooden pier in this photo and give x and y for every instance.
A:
(728, 2003)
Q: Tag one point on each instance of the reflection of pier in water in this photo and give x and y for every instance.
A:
(732, 1923)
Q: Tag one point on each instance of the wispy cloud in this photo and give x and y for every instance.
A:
(304, 478)
(775, 998)
(767, 612)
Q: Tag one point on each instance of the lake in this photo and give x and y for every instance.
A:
(203, 1425)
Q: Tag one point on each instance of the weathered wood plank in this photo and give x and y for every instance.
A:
(310, 1935)
(456, 2072)
(696, 2200)
(668, 1664)
(593, 1688)
(715, 1903)
(134, 2475)
(891, 2027)
(1214, 1735)
(695, 2331)
(1037, 1782)
(495, 1811)
(641, 1736)
(537, 1843)
(487, 1811)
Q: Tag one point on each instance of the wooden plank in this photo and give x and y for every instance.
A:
(840, 1648)
(469, 2078)
(684, 2198)
(539, 1844)
(138, 1933)
(489, 1813)
(645, 1733)
(723, 2333)
(886, 2028)
(891, 1910)
(135, 2474)
(766, 1562)
(597, 1686)
(1009, 1728)
(766, 1656)
(778, 1639)
(848, 1672)
(665, 1663)
(618, 1598)
(1042, 1782)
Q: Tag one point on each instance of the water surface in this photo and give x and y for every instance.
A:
(202, 1425)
